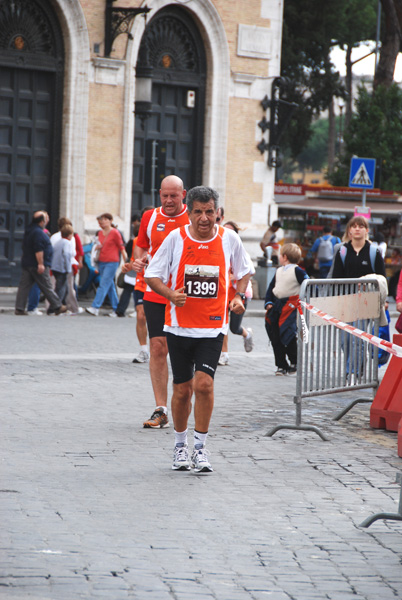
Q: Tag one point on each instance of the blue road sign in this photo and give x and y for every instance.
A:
(362, 173)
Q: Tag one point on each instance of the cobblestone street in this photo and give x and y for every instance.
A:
(90, 507)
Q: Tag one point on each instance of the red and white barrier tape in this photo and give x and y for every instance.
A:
(363, 335)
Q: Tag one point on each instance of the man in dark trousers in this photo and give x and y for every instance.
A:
(36, 259)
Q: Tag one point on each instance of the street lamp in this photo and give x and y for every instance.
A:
(143, 93)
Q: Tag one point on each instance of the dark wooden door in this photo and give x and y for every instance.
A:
(26, 125)
(165, 143)
(31, 104)
(170, 141)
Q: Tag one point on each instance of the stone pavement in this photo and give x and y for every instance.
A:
(91, 509)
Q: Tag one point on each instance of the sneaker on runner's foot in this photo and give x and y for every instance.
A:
(223, 360)
(248, 341)
(158, 420)
(181, 459)
(200, 462)
(142, 357)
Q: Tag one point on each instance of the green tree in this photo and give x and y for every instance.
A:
(357, 24)
(310, 30)
(314, 155)
(375, 131)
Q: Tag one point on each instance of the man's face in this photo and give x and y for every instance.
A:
(172, 195)
(203, 219)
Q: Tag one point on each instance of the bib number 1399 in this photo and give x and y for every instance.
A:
(201, 281)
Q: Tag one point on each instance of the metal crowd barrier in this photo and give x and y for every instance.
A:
(335, 361)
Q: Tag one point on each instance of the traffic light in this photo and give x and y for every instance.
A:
(281, 112)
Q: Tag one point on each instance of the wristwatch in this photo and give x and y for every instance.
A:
(242, 296)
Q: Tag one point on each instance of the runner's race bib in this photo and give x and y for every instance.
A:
(201, 281)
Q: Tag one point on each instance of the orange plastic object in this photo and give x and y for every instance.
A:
(386, 409)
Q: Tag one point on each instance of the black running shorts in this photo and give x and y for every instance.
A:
(155, 316)
(138, 297)
(193, 354)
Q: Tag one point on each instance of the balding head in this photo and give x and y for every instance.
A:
(172, 194)
(172, 180)
(39, 218)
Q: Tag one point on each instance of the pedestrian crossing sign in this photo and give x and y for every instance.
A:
(362, 173)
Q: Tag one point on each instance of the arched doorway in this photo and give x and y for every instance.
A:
(170, 141)
(31, 98)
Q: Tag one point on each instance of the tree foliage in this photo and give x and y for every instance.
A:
(310, 30)
(375, 131)
(314, 155)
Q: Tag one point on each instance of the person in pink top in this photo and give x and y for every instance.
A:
(399, 294)
(110, 246)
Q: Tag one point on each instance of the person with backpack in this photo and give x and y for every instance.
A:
(324, 247)
(357, 257)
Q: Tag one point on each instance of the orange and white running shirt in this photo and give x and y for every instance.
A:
(155, 227)
(203, 267)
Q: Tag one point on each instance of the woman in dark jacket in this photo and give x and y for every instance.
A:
(354, 258)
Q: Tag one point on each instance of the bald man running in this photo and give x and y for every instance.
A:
(156, 224)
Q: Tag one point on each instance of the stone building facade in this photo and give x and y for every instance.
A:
(76, 139)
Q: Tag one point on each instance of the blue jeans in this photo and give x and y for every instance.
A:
(354, 349)
(324, 271)
(34, 297)
(107, 271)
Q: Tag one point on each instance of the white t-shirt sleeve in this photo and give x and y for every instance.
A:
(240, 262)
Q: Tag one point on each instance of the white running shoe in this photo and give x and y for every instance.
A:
(248, 341)
(200, 462)
(35, 312)
(113, 314)
(181, 459)
(143, 357)
(223, 360)
(133, 315)
(92, 311)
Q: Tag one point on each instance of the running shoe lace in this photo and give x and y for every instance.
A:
(202, 455)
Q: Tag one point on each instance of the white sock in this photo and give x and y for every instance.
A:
(248, 334)
(164, 408)
(144, 348)
(225, 354)
(180, 437)
(199, 439)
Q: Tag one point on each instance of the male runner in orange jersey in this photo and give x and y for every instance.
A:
(155, 226)
(191, 270)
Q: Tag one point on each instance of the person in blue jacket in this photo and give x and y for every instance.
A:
(324, 247)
